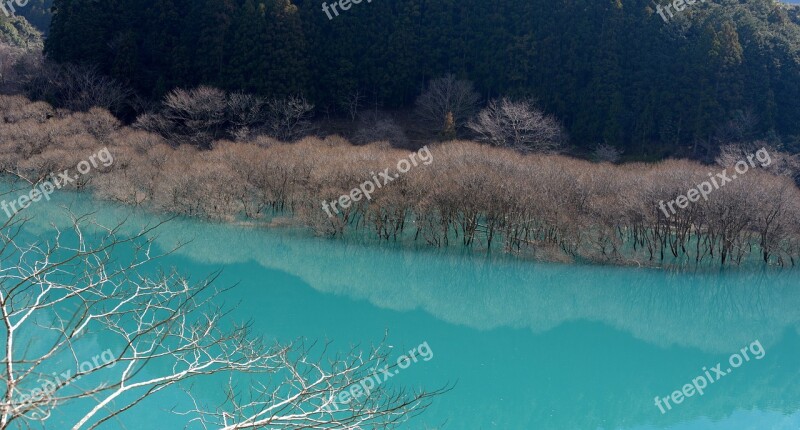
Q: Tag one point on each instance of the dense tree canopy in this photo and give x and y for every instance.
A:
(37, 13)
(611, 70)
(17, 32)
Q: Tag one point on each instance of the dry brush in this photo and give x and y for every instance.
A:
(548, 206)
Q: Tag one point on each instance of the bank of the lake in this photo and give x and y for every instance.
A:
(541, 206)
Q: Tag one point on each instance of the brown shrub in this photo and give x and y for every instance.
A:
(548, 206)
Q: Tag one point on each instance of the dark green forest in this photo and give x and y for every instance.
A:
(17, 31)
(21, 30)
(37, 12)
(611, 70)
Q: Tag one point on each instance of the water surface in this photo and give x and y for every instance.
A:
(528, 345)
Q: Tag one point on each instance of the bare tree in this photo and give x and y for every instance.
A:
(156, 123)
(198, 114)
(288, 118)
(246, 111)
(376, 127)
(204, 114)
(518, 125)
(9, 56)
(447, 103)
(58, 295)
(352, 103)
(606, 153)
(78, 88)
(741, 127)
(18, 67)
(779, 162)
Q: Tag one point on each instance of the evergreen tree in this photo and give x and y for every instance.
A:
(610, 70)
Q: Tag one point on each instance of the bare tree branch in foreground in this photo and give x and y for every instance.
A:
(307, 394)
(60, 295)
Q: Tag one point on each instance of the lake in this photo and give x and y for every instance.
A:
(527, 345)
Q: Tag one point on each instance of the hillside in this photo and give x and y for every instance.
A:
(612, 71)
(16, 31)
(37, 13)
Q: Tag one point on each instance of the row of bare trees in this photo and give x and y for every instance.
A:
(68, 86)
(551, 206)
(447, 108)
(449, 105)
(203, 115)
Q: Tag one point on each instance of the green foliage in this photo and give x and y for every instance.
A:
(611, 70)
(16, 31)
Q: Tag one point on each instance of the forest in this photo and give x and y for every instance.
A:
(611, 71)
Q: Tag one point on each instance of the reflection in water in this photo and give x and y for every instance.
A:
(712, 311)
(597, 345)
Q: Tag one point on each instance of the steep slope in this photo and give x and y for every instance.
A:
(611, 70)
(16, 31)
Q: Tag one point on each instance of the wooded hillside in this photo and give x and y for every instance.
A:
(611, 71)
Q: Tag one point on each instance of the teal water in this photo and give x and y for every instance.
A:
(527, 345)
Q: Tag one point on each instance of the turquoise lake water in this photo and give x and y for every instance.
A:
(527, 345)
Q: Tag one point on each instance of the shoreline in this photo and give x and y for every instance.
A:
(544, 207)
